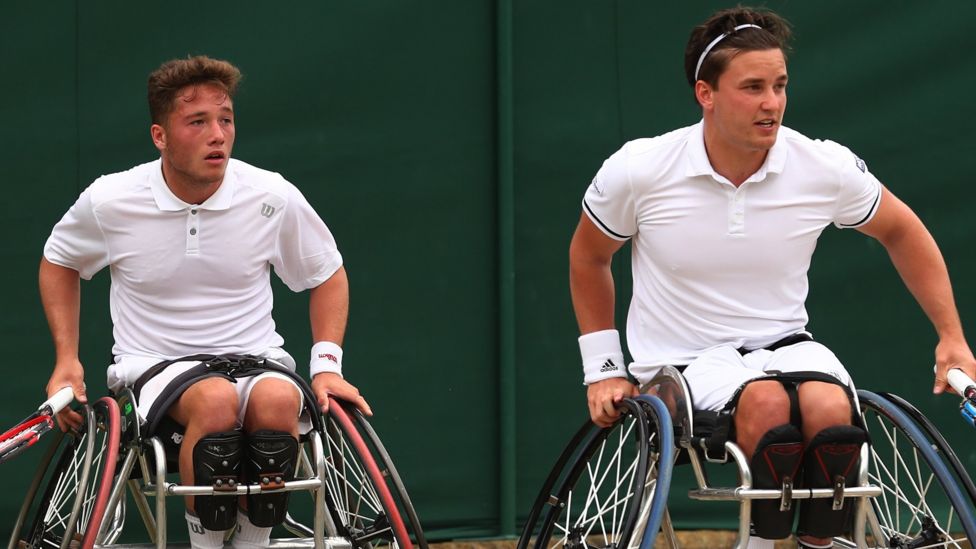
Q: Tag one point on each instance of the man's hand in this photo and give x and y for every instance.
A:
(326, 384)
(68, 374)
(952, 353)
(604, 396)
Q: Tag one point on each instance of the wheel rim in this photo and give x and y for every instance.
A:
(599, 508)
(912, 510)
(356, 503)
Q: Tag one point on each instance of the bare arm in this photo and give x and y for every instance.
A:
(328, 312)
(61, 297)
(328, 308)
(919, 262)
(592, 289)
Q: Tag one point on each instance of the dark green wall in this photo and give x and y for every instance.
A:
(385, 114)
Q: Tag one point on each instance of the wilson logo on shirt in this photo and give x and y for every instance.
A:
(267, 210)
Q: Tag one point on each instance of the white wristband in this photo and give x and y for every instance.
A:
(602, 356)
(326, 357)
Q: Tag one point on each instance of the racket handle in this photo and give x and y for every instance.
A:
(62, 398)
(961, 383)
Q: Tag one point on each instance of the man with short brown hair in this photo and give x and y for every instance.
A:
(191, 239)
(724, 216)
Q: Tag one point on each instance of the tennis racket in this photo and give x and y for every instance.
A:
(27, 432)
(967, 388)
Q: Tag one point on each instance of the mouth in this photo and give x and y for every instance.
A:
(766, 124)
(215, 157)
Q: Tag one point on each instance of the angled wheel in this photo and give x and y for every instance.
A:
(72, 487)
(364, 494)
(604, 490)
(922, 503)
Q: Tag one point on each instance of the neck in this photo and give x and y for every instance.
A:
(188, 189)
(730, 161)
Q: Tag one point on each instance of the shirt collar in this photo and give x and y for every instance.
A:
(698, 163)
(169, 202)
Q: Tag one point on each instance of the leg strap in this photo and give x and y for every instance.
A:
(774, 465)
(831, 461)
(217, 463)
(271, 459)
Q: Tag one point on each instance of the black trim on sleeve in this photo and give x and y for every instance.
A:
(871, 212)
(602, 224)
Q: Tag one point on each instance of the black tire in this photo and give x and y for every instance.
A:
(575, 510)
(922, 502)
(72, 489)
(364, 495)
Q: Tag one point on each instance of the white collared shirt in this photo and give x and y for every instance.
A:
(190, 279)
(715, 264)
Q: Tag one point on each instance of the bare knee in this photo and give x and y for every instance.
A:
(273, 404)
(208, 406)
(823, 405)
(762, 406)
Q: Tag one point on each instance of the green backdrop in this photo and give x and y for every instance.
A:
(447, 144)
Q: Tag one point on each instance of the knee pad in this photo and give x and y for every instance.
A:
(217, 463)
(831, 461)
(774, 465)
(271, 457)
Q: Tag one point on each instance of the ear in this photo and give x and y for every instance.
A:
(704, 94)
(158, 134)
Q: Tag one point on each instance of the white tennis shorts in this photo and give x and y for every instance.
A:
(714, 376)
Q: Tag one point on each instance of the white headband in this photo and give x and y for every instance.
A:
(718, 39)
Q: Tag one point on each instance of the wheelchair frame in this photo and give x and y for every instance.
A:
(877, 482)
(357, 493)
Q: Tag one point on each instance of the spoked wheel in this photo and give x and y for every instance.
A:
(72, 489)
(601, 493)
(364, 494)
(922, 503)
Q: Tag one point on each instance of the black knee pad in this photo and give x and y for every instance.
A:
(774, 465)
(217, 463)
(831, 460)
(271, 457)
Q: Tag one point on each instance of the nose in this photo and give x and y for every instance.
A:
(216, 133)
(770, 99)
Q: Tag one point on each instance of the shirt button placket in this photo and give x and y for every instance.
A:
(192, 232)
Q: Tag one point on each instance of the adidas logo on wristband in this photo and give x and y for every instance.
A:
(608, 366)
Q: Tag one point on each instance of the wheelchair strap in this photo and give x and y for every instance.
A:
(724, 428)
(230, 367)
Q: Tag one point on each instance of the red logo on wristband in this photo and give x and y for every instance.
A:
(327, 356)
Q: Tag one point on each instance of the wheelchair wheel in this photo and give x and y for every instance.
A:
(922, 503)
(606, 488)
(363, 491)
(76, 490)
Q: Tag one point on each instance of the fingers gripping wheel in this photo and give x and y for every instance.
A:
(831, 462)
(774, 465)
(217, 463)
(271, 457)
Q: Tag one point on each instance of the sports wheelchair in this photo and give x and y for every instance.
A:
(609, 487)
(77, 498)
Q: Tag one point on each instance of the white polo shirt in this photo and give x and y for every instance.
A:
(189, 279)
(715, 264)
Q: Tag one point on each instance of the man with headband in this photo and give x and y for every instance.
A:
(724, 216)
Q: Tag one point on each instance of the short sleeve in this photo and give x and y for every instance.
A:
(609, 201)
(77, 241)
(859, 194)
(307, 254)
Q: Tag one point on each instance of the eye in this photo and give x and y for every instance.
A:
(196, 122)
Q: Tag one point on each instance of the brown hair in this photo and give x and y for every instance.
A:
(774, 33)
(174, 75)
